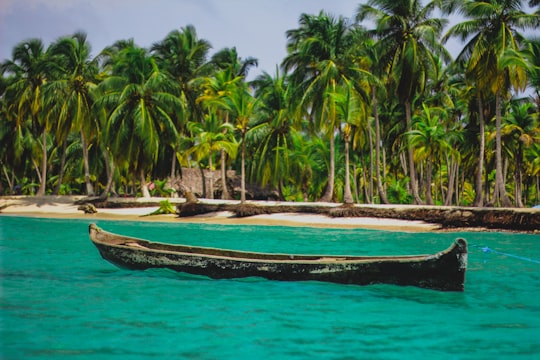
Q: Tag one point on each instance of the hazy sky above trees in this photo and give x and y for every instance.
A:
(255, 27)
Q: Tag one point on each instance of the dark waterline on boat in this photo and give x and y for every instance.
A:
(61, 300)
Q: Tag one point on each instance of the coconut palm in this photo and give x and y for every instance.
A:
(217, 89)
(448, 91)
(16, 138)
(370, 54)
(532, 51)
(142, 101)
(242, 105)
(226, 69)
(184, 56)
(431, 140)
(212, 136)
(317, 58)
(273, 130)
(493, 57)
(532, 168)
(521, 130)
(408, 41)
(69, 95)
(469, 97)
(352, 112)
(228, 59)
(30, 67)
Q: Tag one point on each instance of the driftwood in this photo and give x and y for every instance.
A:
(446, 217)
(450, 217)
(88, 208)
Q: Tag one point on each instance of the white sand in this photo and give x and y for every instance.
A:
(63, 207)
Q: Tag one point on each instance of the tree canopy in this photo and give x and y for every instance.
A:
(363, 109)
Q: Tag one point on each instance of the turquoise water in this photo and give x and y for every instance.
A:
(60, 300)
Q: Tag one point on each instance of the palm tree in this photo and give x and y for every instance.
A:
(228, 59)
(242, 105)
(69, 95)
(16, 138)
(216, 92)
(317, 57)
(370, 54)
(184, 56)
(210, 136)
(142, 100)
(229, 69)
(522, 130)
(274, 130)
(446, 90)
(408, 45)
(431, 140)
(352, 113)
(30, 67)
(533, 53)
(493, 57)
(532, 156)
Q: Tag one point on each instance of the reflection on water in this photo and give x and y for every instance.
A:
(61, 300)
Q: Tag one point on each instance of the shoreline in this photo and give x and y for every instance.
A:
(405, 218)
(63, 207)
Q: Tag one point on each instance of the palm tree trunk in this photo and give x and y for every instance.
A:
(62, 171)
(537, 188)
(380, 189)
(429, 170)
(347, 196)
(89, 187)
(173, 163)
(109, 163)
(210, 178)
(412, 169)
(479, 199)
(144, 186)
(225, 193)
(364, 181)
(329, 193)
(43, 172)
(500, 187)
(10, 183)
(519, 178)
(452, 170)
(38, 171)
(370, 138)
(243, 172)
(355, 184)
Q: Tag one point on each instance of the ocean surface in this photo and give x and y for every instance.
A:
(60, 300)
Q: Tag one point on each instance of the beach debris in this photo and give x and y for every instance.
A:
(88, 208)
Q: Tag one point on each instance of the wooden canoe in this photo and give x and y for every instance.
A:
(441, 271)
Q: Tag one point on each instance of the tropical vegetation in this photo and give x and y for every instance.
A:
(367, 109)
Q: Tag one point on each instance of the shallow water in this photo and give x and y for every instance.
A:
(60, 300)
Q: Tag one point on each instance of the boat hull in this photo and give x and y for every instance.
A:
(442, 271)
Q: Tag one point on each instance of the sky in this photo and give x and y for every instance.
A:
(255, 27)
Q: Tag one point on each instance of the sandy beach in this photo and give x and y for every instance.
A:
(63, 207)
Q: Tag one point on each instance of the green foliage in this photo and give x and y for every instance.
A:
(397, 191)
(160, 190)
(165, 207)
(69, 121)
